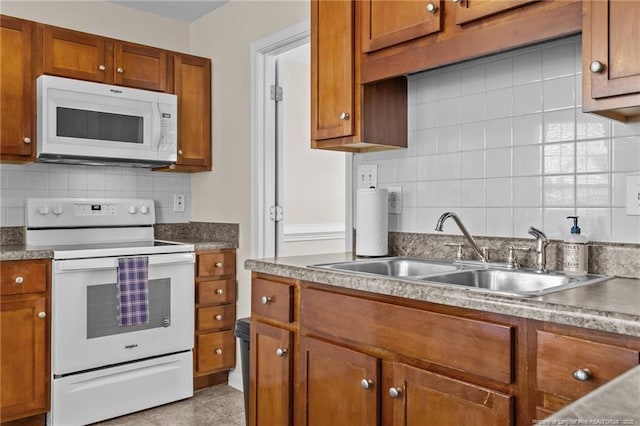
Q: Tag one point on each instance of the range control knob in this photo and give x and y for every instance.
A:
(144, 209)
(132, 209)
(43, 210)
(57, 210)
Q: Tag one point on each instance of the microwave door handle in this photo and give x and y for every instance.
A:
(156, 125)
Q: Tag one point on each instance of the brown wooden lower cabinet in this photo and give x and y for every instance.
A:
(356, 358)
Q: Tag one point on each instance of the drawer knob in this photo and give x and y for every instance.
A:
(42, 315)
(582, 374)
(219, 291)
(395, 392)
(19, 280)
(218, 351)
(344, 116)
(218, 264)
(432, 8)
(120, 70)
(596, 67)
(265, 300)
(366, 383)
(218, 317)
(281, 352)
(102, 67)
(26, 139)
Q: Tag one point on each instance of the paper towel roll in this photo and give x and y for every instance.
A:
(372, 222)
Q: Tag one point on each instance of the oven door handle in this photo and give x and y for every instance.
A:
(112, 262)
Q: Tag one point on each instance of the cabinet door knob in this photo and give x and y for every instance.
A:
(19, 280)
(265, 300)
(42, 315)
(582, 374)
(102, 67)
(218, 265)
(219, 291)
(395, 392)
(218, 317)
(218, 351)
(596, 67)
(366, 383)
(26, 139)
(281, 352)
(120, 70)
(344, 116)
(432, 8)
(179, 152)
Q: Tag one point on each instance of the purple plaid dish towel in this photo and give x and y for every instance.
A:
(133, 290)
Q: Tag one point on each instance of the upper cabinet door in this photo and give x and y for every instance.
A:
(332, 69)
(386, 23)
(471, 10)
(78, 55)
(614, 66)
(139, 66)
(17, 119)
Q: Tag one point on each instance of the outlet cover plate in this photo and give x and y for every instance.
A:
(367, 176)
(395, 199)
(178, 202)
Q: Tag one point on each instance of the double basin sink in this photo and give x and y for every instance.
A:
(472, 275)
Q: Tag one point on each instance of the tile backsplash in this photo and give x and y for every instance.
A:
(503, 142)
(19, 182)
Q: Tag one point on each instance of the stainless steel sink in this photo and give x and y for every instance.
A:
(476, 276)
(395, 267)
(521, 282)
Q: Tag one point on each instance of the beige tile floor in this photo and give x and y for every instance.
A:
(219, 405)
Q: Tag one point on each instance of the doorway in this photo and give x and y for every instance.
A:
(299, 195)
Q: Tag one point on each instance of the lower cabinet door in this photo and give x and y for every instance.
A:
(420, 397)
(271, 378)
(23, 358)
(340, 386)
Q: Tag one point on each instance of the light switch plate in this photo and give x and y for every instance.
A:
(367, 176)
(633, 195)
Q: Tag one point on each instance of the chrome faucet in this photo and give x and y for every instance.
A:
(462, 228)
(541, 249)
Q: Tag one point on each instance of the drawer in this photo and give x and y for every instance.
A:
(215, 351)
(477, 347)
(216, 264)
(217, 291)
(558, 357)
(272, 299)
(216, 317)
(24, 276)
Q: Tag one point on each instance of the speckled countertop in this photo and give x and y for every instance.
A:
(612, 305)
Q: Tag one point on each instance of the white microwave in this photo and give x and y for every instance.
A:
(82, 122)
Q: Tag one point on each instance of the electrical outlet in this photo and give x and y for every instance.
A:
(395, 199)
(367, 175)
(178, 202)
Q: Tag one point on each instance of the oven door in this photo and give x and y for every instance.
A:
(85, 329)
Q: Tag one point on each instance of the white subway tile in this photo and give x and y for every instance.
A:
(625, 229)
(559, 125)
(113, 194)
(426, 141)
(556, 225)
(472, 108)
(626, 154)
(472, 193)
(527, 160)
(426, 218)
(558, 93)
(448, 139)
(145, 183)
(427, 167)
(406, 169)
(527, 99)
(15, 216)
(472, 79)
(527, 68)
(498, 192)
(472, 136)
(449, 193)
(498, 162)
(500, 103)
(592, 156)
(387, 171)
(409, 194)
(619, 189)
(558, 61)
(448, 84)
(559, 158)
(113, 182)
(500, 222)
(427, 194)
(449, 112)
(38, 180)
(625, 129)
(408, 219)
(527, 129)
(527, 191)
(426, 115)
(472, 164)
(499, 132)
(523, 218)
(591, 126)
(593, 190)
(474, 220)
(559, 191)
(595, 224)
(4, 216)
(449, 166)
(499, 74)
(95, 181)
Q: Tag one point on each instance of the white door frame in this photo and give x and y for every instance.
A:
(263, 179)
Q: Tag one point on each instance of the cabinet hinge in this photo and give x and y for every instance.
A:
(275, 92)
(275, 213)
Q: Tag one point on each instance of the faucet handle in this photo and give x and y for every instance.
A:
(485, 253)
(459, 254)
(512, 262)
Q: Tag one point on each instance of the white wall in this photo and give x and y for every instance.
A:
(224, 194)
(503, 142)
(19, 182)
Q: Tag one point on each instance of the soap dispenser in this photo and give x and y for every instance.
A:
(575, 251)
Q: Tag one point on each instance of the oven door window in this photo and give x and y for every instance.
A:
(102, 309)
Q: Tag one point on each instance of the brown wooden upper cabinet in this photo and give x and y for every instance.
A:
(611, 59)
(17, 95)
(472, 10)
(74, 54)
(345, 115)
(387, 23)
